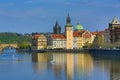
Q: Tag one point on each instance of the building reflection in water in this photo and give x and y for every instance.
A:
(84, 65)
(115, 70)
(70, 66)
(59, 66)
(40, 61)
(65, 64)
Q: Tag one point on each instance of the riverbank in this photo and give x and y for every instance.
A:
(55, 51)
(105, 52)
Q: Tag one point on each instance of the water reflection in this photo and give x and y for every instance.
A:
(68, 63)
(70, 66)
(58, 66)
(84, 65)
(41, 59)
(115, 70)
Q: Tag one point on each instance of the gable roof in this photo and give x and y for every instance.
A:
(115, 21)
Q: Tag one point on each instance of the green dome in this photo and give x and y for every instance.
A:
(79, 27)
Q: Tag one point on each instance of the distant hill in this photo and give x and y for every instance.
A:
(9, 37)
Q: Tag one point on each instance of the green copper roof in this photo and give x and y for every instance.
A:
(79, 27)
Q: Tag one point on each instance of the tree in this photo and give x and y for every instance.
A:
(98, 41)
(24, 45)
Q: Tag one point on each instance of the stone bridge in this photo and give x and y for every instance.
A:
(2, 46)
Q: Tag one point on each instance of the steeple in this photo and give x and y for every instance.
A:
(57, 28)
(115, 21)
(56, 24)
(68, 20)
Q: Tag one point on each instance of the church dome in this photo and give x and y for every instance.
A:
(79, 27)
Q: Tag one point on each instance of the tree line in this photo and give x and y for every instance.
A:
(23, 40)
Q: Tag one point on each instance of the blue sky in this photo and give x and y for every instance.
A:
(27, 16)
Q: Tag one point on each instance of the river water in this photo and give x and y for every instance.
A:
(57, 66)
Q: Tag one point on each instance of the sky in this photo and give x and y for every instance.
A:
(27, 16)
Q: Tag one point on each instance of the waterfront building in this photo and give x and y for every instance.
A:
(81, 37)
(69, 33)
(114, 28)
(70, 39)
(106, 36)
(39, 41)
(56, 41)
(56, 28)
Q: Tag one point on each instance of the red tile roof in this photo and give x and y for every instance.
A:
(95, 33)
(87, 35)
(36, 36)
(78, 33)
(58, 36)
(82, 33)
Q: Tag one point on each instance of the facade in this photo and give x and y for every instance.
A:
(39, 41)
(69, 33)
(114, 28)
(107, 36)
(82, 38)
(69, 40)
(57, 41)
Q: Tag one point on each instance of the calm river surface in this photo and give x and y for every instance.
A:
(57, 66)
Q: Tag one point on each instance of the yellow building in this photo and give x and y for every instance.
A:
(82, 37)
(39, 41)
(69, 33)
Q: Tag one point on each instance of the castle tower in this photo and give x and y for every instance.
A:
(69, 33)
(114, 28)
(57, 28)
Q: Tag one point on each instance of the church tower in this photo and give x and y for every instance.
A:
(69, 33)
(57, 28)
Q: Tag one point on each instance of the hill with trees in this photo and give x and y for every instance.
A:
(23, 40)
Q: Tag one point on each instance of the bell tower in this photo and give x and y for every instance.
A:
(69, 33)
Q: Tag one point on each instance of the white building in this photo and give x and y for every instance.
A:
(56, 41)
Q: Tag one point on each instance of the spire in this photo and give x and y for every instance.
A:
(56, 24)
(57, 28)
(78, 23)
(115, 21)
(68, 20)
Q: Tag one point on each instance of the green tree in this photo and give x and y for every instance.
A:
(98, 41)
(24, 45)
